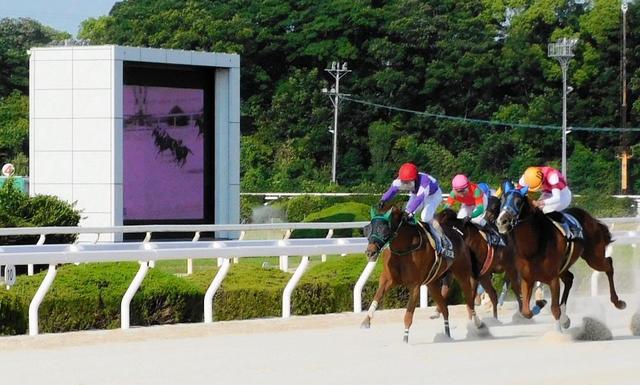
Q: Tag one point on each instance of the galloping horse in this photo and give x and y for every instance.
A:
(543, 253)
(411, 261)
(484, 261)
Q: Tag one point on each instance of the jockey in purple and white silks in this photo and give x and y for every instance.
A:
(424, 195)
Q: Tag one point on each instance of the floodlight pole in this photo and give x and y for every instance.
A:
(625, 154)
(337, 71)
(562, 50)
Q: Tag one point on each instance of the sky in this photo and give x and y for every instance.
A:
(63, 15)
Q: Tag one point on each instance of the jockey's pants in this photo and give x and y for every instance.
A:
(466, 210)
(429, 205)
(560, 204)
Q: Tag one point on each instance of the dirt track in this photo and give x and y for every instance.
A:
(329, 350)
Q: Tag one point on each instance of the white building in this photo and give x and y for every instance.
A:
(77, 119)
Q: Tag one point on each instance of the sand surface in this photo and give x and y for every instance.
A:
(332, 349)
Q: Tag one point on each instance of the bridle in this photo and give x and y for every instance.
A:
(394, 233)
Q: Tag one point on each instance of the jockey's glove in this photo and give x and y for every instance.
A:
(380, 205)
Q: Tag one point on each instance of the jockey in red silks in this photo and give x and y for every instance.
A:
(473, 201)
(424, 195)
(555, 194)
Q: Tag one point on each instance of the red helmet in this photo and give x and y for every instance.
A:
(408, 172)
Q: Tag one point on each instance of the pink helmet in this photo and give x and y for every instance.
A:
(460, 182)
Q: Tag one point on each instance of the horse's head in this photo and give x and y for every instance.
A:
(513, 201)
(493, 209)
(380, 231)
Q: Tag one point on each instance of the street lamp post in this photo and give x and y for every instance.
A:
(562, 50)
(337, 70)
(624, 145)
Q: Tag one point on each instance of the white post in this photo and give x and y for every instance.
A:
(286, 295)
(323, 258)
(357, 289)
(147, 238)
(196, 237)
(594, 283)
(37, 299)
(211, 291)
(40, 242)
(424, 299)
(241, 237)
(284, 259)
(131, 291)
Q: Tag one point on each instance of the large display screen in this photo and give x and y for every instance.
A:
(163, 153)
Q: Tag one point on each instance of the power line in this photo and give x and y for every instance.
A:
(487, 122)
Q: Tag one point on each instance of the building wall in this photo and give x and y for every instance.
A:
(76, 126)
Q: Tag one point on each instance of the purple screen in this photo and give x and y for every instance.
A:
(163, 153)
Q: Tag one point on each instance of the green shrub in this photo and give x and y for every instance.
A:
(603, 206)
(341, 212)
(17, 209)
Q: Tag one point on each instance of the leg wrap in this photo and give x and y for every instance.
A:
(372, 308)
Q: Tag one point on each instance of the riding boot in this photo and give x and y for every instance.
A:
(495, 238)
(443, 243)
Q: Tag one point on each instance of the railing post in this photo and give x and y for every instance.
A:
(147, 238)
(286, 295)
(196, 237)
(284, 259)
(131, 291)
(37, 299)
(323, 258)
(241, 237)
(40, 242)
(211, 291)
(424, 298)
(357, 289)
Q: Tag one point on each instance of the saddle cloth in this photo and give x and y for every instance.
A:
(567, 224)
(445, 249)
(492, 238)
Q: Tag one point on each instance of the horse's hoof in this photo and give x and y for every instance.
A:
(434, 316)
(366, 324)
(565, 322)
(405, 339)
(621, 305)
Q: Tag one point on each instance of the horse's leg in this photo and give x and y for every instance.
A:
(554, 286)
(525, 291)
(442, 306)
(414, 294)
(491, 292)
(601, 263)
(468, 287)
(567, 279)
(444, 290)
(384, 284)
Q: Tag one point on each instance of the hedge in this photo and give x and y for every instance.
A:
(88, 296)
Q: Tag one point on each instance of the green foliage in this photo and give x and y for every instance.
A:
(340, 212)
(14, 127)
(603, 206)
(17, 209)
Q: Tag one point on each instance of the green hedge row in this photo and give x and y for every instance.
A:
(88, 296)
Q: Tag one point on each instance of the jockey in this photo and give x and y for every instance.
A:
(424, 195)
(472, 200)
(555, 194)
(473, 204)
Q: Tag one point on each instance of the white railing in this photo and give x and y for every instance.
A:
(42, 232)
(146, 252)
(150, 251)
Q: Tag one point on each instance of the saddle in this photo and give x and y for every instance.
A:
(568, 225)
(442, 244)
(491, 236)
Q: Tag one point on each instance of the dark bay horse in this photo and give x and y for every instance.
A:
(484, 261)
(543, 254)
(411, 261)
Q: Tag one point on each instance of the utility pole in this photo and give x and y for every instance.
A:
(562, 50)
(337, 70)
(624, 139)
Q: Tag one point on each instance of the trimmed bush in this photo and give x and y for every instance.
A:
(17, 209)
(341, 212)
(602, 206)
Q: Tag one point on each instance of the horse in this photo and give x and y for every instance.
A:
(544, 254)
(485, 262)
(411, 261)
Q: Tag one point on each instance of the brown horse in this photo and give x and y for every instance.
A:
(411, 261)
(483, 263)
(543, 253)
